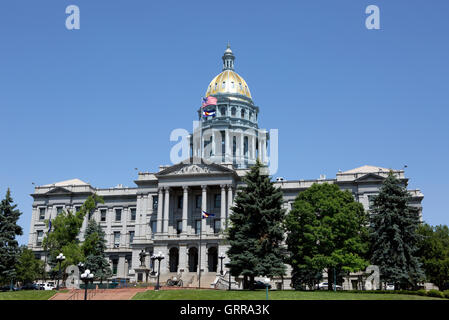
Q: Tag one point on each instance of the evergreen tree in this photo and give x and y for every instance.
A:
(326, 230)
(256, 234)
(394, 235)
(94, 247)
(9, 247)
(28, 267)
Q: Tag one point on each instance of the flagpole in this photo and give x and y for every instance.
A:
(199, 260)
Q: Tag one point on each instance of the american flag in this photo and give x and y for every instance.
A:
(209, 101)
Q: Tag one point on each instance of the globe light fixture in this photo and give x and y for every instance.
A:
(86, 277)
(60, 258)
(221, 257)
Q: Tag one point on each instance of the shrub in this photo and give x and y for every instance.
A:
(421, 292)
(435, 293)
(446, 294)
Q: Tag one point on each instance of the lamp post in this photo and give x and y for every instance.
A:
(60, 258)
(159, 256)
(267, 283)
(81, 266)
(153, 257)
(221, 257)
(86, 277)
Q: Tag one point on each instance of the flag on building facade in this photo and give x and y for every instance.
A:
(209, 113)
(207, 215)
(209, 101)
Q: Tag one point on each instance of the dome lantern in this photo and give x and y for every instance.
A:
(228, 59)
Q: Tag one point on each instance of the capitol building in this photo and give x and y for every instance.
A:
(163, 212)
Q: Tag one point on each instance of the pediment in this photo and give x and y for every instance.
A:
(192, 167)
(59, 190)
(370, 177)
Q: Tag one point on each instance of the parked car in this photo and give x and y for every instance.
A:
(46, 286)
(389, 286)
(261, 285)
(325, 285)
(7, 287)
(30, 286)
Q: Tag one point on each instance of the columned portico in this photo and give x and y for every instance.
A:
(159, 210)
(229, 204)
(166, 209)
(185, 208)
(223, 207)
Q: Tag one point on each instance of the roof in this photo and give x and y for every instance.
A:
(367, 169)
(72, 182)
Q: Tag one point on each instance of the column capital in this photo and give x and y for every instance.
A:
(223, 186)
(160, 189)
(185, 188)
(230, 186)
(204, 187)
(167, 189)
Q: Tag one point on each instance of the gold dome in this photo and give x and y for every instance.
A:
(228, 82)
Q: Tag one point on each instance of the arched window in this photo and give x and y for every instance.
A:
(243, 114)
(233, 111)
(216, 86)
(223, 85)
(223, 111)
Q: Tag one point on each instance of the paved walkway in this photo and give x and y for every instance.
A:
(101, 294)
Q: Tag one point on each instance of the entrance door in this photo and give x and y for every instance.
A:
(193, 259)
(174, 259)
(212, 258)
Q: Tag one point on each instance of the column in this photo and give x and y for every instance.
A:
(203, 208)
(166, 209)
(229, 204)
(223, 207)
(253, 148)
(213, 144)
(183, 258)
(159, 210)
(242, 149)
(185, 206)
(228, 150)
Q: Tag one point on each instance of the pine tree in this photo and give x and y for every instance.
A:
(394, 235)
(9, 229)
(256, 233)
(94, 247)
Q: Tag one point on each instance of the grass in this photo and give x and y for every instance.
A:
(192, 294)
(27, 295)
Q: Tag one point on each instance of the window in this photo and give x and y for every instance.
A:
(224, 84)
(232, 85)
(197, 226)
(118, 214)
(242, 113)
(155, 201)
(130, 264)
(103, 215)
(216, 85)
(40, 235)
(58, 210)
(114, 266)
(217, 225)
(179, 226)
(223, 111)
(241, 88)
(131, 236)
(217, 201)
(371, 201)
(198, 201)
(233, 111)
(180, 202)
(153, 228)
(77, 208)
(41, 213)
(133, 214)
(116, 239)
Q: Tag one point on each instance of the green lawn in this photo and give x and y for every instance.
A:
(191, 294)
(27, 295)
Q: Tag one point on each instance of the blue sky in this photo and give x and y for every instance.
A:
(96, 103)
